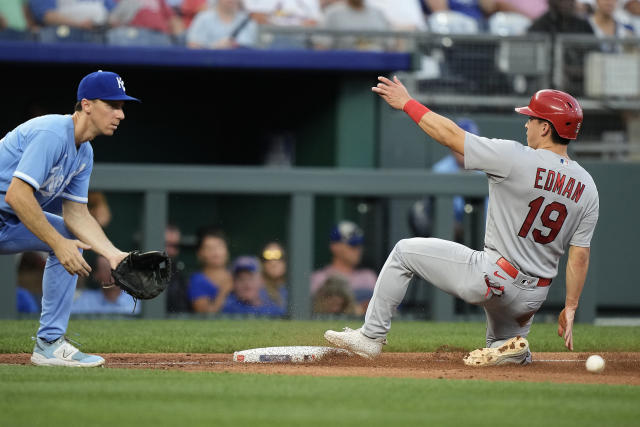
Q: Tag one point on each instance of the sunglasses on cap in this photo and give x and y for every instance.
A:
(347, 232)
(272, 254)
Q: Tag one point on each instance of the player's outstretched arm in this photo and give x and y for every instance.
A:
(23, 202)
(438, 127)
(577, 267)
(80, 222)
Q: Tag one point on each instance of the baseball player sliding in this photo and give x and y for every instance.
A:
(540, 203)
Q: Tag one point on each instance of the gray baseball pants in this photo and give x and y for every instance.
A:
(461, 272)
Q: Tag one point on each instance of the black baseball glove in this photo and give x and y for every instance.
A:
(143, 275)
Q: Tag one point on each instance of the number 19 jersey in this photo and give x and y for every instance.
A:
(539, 203)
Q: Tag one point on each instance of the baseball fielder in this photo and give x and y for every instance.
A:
(540, 203)
(43, 159)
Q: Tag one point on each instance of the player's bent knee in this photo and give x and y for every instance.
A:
(412, 244)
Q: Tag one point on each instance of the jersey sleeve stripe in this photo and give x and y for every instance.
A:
(75, 198)
(27, 179)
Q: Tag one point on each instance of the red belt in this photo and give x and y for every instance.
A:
(513, 272)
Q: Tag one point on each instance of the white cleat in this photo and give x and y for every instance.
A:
(514, 350)
(356, 341)
(61, 353)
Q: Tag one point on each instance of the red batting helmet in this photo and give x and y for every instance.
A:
(560, 108)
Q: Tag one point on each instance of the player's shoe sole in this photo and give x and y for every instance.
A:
(62, 353)
(356, 342)
(39, 360)
(514, 350)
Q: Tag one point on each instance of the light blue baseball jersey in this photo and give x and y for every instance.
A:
(42, 152)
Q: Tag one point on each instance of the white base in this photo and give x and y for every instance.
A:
(292, 354)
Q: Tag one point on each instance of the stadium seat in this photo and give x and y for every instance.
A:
(508, 24)
(452, 22)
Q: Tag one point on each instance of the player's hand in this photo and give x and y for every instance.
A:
(116, 258)
(565, 326)
(393, 92)
(66, 251)
(102, 271)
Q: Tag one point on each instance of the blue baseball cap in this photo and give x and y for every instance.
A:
(347, 232)
(245, 263)
(468, 125)
(103, 85)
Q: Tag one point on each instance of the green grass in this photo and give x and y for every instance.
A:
(226, 336)
(35, 396)
(32, 396)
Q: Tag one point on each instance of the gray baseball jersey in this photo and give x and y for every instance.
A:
(539, 203)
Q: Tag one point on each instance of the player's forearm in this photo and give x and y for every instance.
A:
(80, 222)
(21, 199)
(443, 130)
(577, 267)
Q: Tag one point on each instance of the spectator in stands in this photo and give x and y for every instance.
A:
(71, 20)
(585, 8)
(454, 163)
(26, 302)
(356, 15)
(99, 208)
(209, 288)
(632, 6)
(403, 15)
(477, 9)
(286, 13)
(14, 22)
(631, 11)
(421, 214)
(274, 273)
(561, 18)
(178, 289)
(326, 3)
(249, 296)
(335, 297)
(346, 240)
(144, 23)
(29, 289)
(604, 24)
(532, 9)
(109, 299)
(223, 26)
(188, 9)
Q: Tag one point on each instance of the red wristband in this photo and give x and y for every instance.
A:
(415, 110)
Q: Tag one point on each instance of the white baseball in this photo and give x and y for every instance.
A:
(595, 363)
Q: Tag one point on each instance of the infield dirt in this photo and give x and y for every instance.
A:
(621, 367)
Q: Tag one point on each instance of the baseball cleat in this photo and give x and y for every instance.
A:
(356, 342)
(514, 350)
(61, 353)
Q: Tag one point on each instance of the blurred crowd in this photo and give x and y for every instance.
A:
(258, 285)
(226, 24)
(251, 284)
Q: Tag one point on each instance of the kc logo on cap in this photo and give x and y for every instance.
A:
(104, 85)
